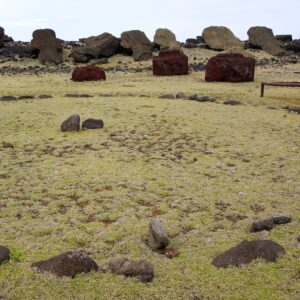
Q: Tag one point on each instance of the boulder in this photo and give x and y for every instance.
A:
(71, 124)
(284, 37)
(221, 38)
(104, 45)
(88, 73)
(141, 269)
(263, 38)
(170, 62)
(7, 39)
(260, 225)
(67, 264)
(158, 239)
(1, 37)
(230, 67)
(4, 254)
(165, 39)
(92, 124)
(137, 42)
(281, 218)
(246, 251)
(49, 47)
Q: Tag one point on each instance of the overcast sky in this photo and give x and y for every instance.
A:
(74, 19)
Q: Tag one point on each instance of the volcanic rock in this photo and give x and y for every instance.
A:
(284, 37)
(142, 269)
(266, 224)
(1, 37)
(88, 73)
(137, 42)
(246, 251)
(4, 254)
(230, 67)
(71, 124)
(166, 39)
(232, 102)
(281, 218)
(170, 62)
(104, 45)
(8, 98)
(221, 38)
(92, 124)
(49, 47)
(67, 264)
(263, 38)
(158, 239)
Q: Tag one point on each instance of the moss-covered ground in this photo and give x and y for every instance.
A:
(207, 170)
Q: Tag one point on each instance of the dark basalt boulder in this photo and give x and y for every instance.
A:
(141, 269)
(88, 73)
(92, 124)
(158, 239)
(67, 264)
(104, 45)
(284, 37)
(71, 124)
(230, 67)
(247, 251)
(50, 48)
(4, 254)
(1, 37)
(170, 62)
(7, 39)
(137, 42)
(263, 38)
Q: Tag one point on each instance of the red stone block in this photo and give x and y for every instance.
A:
(230, 67)
(88, 73)
(170, 62)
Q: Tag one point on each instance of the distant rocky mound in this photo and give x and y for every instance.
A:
(165, 39)
(221, 38)
(103, 45)
(49, 47)
(264, 39)
(136, 41)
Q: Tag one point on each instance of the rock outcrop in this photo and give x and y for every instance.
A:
(165, 39)
(170, 62)
(88, 73)
(137, 42)
(221, 38)
(230, 67)
(50, 48)
(263, 38)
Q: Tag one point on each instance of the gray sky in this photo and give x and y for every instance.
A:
(73, 19)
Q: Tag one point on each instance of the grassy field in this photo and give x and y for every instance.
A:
(205, 169)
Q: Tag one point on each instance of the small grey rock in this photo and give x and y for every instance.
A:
(8, 98)
(180, 95)
(158, 239)
(71, 124)
(266, 224)
(281, 218)
(4, 254)
(44, 96)
(232, 102)
(26, 97)
(92, 124)
(141, 269)
(6, 145)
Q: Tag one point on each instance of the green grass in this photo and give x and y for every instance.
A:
(206, 170)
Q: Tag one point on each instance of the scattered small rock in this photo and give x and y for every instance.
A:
(4, 254)
(142, 269)
(92, 124)
(67, 264)
(294, 109)
(26, 97)
(158, 239)
(180, 95)
(78, 96)
(281, 218)
(71, 124)
(246, 251)
(232, 102)
(105, 95)
(44, 96)
(167, 96)
(7, 145)
(266, 224)
(8, 98)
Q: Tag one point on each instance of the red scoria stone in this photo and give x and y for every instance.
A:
(88, 73)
